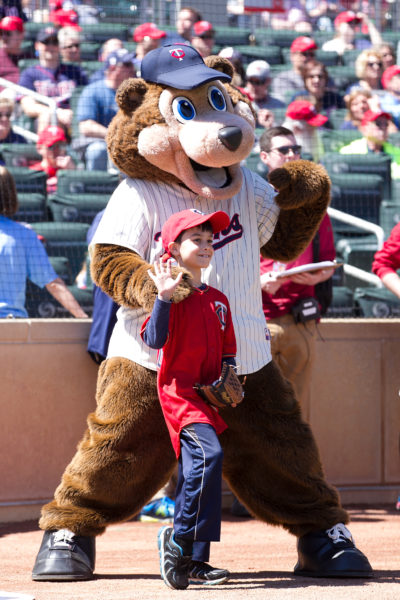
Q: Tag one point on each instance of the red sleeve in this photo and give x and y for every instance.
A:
(387, 260)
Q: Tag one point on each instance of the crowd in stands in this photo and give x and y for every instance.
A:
(345, 80)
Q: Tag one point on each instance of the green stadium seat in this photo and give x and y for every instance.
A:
(86, 182)
(231, 36)
(31, 29)
(365, 164)
(31, 207)
(76, 208)
(349, 57)
(343, 76)
(29, 181)
(91, 66)
(337, 116)
(272, 54)
(283, 38)
(392, 37)
(389, 216)
(40, 304)
(378, 303)
(65, 239)
(358, 252)
(27, 49)
(358, 195)
(334, 139)
(62, 267)
(19, 155)
(342, 305)
(100, 32)
(90, 51)
(329, 59)
(254, 163)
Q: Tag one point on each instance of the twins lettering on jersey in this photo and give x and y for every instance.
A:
(54, 89)
(233, 232)
(221, 311)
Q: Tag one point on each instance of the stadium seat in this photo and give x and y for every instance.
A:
(62, 267)
(231, 36)
(29, 181)
(379, 303)
(86, 182)
(337, 116)
(342, 305)
(358, 195)
(329, 59)
(254, 163)
(349, 57)
(358, 252)
(282, 38)
(334, 139)
(100, 32)
(389, 216)
(90, 51)
(31, 207)
(272, 54)
(343, 76)
(366, 164)
(31, 29)
(19, 155)
(40, 304)
(65, 239)
(91, 66)
(77, 207)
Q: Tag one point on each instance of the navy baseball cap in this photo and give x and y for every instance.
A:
(178, 66)
(121, 56)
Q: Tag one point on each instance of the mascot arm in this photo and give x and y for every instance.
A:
(303, 197)
(122, 274)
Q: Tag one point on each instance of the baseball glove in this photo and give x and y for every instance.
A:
(226, 391)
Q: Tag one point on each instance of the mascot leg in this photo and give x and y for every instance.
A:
(124, 457)
(272, 463)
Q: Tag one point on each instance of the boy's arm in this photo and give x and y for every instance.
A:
(229, 348)
(155, 329)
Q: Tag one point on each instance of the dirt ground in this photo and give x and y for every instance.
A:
(260, 557)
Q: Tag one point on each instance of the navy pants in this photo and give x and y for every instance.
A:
(198, 491)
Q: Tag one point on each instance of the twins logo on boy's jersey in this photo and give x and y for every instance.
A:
(221, 311)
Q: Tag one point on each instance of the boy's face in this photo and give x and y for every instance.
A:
(195, 249)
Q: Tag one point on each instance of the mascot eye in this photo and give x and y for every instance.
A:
(183, 109)
(216, 98)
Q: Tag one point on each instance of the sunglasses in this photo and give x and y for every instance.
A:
(5, 115)
(77, 45)
(308, 53)
(257, 81)
(375, 64)
(316, 76)
(207, 36)
(296, 149)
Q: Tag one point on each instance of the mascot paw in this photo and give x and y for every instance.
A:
(184, 289)
(298, 183)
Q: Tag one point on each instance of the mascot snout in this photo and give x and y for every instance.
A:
(231, 137)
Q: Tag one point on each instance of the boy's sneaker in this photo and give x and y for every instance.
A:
(173, 564)
(201, 572)
(158, 510)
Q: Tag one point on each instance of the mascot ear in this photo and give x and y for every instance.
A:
(220, 64)
(130, 94)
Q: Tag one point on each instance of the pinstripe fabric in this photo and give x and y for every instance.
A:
(134, 218)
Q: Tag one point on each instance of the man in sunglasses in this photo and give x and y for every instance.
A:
(287, 83)
(258, 80)
(52, 79)
(292, 340)
(69, 40)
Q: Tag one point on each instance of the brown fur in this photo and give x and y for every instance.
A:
(270, 457)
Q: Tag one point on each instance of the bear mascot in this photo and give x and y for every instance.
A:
(180, 136)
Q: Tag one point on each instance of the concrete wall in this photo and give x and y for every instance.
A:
(48, 386)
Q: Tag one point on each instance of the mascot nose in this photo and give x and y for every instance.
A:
(230, 137)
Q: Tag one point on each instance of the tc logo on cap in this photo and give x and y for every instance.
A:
(177, 53)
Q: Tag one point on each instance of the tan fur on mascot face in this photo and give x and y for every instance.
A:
(181, 148)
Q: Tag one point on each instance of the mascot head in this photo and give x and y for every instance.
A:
(183, 122)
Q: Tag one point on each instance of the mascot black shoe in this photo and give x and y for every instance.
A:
(64, 556)
(331, 553)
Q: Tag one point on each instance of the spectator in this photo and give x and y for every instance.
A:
(292, 341)
(187, 17)
(390, 100)
(12, 8)
(315, 77)
(375, 131)
(203, 38)
(368, 67)
(147, 37)
(7, 135)
(357, 104)
(235, 58)
(23, 256)
(303, 119)
(97, 106)
(62, 17)
(291, 81)
(346, 24)
(387, 54)
(51, 145)
(258, 80)
(69, 39)
(106, 49)
(11, 36)
(51, 79)
(387, 262)
(294, 16)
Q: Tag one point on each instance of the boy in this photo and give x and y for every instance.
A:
(196, 336)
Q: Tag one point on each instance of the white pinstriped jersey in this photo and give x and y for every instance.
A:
(134, 217)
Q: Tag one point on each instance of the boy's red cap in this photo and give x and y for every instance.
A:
(12, 24)
(186, 219)
(302, 110)
(348, 16)
(51, 135)
(389, 73)
(371, 115)
(302, 44)
(148, 30)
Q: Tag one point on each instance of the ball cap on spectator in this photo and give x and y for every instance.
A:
(121, 56)
(301, 110)
(259, 69)
(348, 16)
(51, 135)
(12, 24)
(371, 115)
(302, 44)
(230, 53)
(186, 219)
(65, 18)
(178, 66)
(47, 33)
(149, 30)
(389, 73)
(203, 27)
